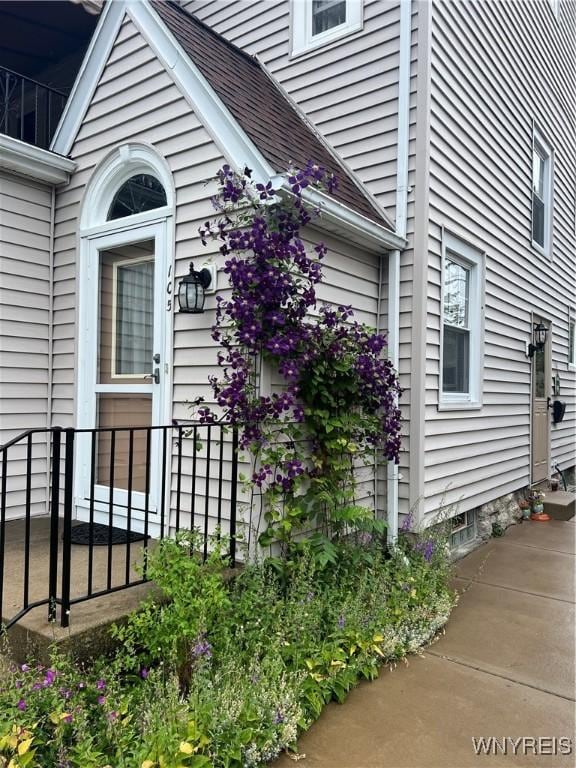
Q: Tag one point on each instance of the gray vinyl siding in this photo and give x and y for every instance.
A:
(480, 189)
(25, 242)
(349, 89)
(136, 101)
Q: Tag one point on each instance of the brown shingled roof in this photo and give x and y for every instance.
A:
(261, 107)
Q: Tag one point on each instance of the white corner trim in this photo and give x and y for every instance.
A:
(227, 134)
(28, 160)
(351, 225)
(87, 79)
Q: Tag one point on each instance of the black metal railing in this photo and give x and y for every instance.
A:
(142, 482)
(29, 110)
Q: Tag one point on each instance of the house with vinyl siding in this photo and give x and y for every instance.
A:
(452, 127)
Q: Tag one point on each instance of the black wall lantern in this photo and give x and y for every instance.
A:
(540, 334)
(191, 291)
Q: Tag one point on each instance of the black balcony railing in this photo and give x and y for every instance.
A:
(190, 470)
(29, 111)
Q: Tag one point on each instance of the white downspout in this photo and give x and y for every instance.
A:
(50, 338)
(401, 225)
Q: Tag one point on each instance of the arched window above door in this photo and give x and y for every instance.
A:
(141, 192)
(134, 180)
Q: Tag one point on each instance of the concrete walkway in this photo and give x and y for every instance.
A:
(504, 668)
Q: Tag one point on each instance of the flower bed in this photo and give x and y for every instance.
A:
(227, 673)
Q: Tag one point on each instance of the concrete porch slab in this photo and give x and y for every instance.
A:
(561, 505)
(516, 566)
(507, 633)
(425, 715)
(90, 620)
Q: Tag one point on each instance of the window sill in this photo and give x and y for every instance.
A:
(318, 46)
(459, 405)
(541, 250)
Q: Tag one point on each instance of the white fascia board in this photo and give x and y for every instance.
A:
(349, 224)
(40, 164)
(87, 79)
(224, 129)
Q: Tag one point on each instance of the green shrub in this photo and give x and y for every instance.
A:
(227, 673)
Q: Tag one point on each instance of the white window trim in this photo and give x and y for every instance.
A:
(572, 352)
(302, 38)
(544, 145)
(473, 259)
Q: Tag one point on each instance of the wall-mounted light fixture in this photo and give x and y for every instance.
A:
(539, 336)
(192, 290)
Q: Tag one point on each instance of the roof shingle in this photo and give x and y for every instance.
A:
(261, 107)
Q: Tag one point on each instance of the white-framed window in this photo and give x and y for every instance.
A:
(461, 333)
(463, 528)
(318, 22)
(572, 338)
(542, 193)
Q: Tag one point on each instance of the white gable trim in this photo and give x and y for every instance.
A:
(224, 129)
(87, 79)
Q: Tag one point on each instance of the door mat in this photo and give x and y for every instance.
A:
(101, 535)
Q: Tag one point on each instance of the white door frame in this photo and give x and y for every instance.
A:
(116, 234)
(538, 318)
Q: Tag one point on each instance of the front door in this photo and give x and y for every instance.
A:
(541, 383)
(123, 369)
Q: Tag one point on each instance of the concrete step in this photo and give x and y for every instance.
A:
(560, 505)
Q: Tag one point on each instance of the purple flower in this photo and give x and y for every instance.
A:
(101, 700)
(66, 693)
(101, 685)
(25, 668)
(21, 705)
(341, 622)
(18, 684)
(202, 649)
(67, 718)
(49, 677)
(144, 673)
(426, 549)
(278, 717)
(112, 716)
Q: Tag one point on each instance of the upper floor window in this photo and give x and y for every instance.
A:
(318, 22)
(541, 193)
(461, 324)
(140, 193)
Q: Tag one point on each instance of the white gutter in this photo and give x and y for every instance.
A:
(40, 164)
(401, 225)
(340, 218)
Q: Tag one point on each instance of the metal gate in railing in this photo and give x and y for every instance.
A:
(80, 507)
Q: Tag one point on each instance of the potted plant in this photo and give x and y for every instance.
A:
(524, 505)
(537, 505)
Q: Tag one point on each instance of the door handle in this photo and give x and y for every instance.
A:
(155, 375)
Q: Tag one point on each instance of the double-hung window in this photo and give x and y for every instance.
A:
(461, 343)
(541, 193)
(319, 22)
